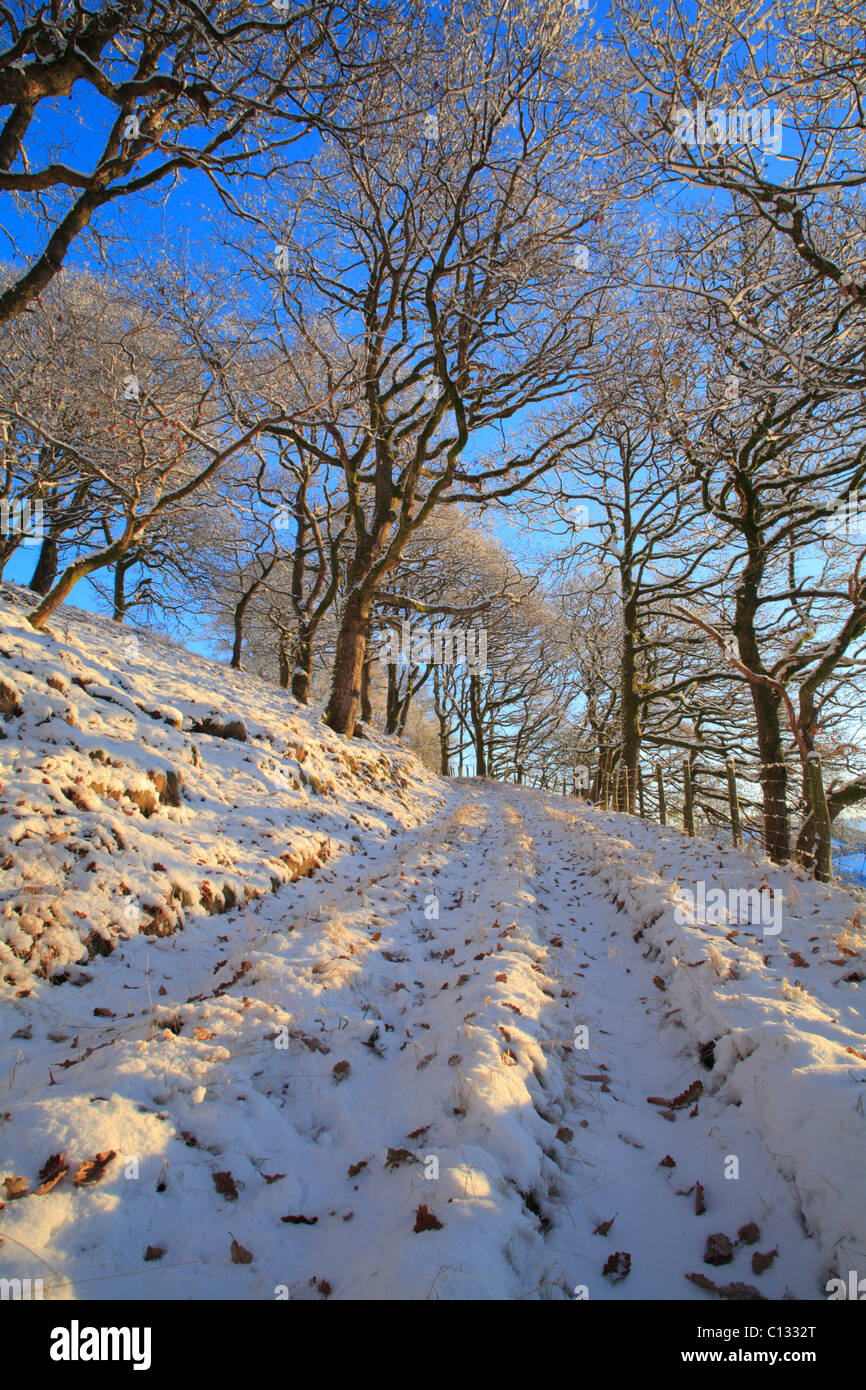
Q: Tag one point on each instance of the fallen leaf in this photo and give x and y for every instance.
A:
(719, 1250)
(16, 1187)
(603, 1227)
(397, 1156)
(760, 1262)
(741, 1293)
(703, 1282)
(50, 1174)
(240, 1256)
(617, 1266)
(688, 1096)
(225, 1186)
(426, 1221)
(93, 1169)
(153, 1252)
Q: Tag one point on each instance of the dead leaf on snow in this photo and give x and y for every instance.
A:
(93, 1169)
(398, 1156)
(425, 1220)
(719, 1251)
(748, 1234)
(761, 1262)
(50, 1174)
(225, 1186)
(617, 1266)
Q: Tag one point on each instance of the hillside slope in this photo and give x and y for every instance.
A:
(285, 1016)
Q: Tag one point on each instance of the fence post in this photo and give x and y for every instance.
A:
(688, 800)
(606, 785)
(821, 818)
(640, 800)
(626, 803)
(663, 820)
(733, 801)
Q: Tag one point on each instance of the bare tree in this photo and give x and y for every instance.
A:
(186, 86)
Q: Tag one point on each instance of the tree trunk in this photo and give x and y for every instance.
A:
(285, 667)
(79, 569)
(344, 700)
(629, 698)
(302, 673)
(477, 725)
(8, 545)
(45, 572)
(765, 701)
(238, 622)
(774, 774)
(366, 702)
(121, 604)
(444, 730)
(392, 704)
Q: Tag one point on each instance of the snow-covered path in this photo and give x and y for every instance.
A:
(371, 1082)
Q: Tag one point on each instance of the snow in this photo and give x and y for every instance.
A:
(395, 985)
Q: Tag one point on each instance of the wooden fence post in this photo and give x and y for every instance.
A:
(688, 799)
(733, 801)
(821, 817)
(640, 801)
(663, 820)
(626, 803)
